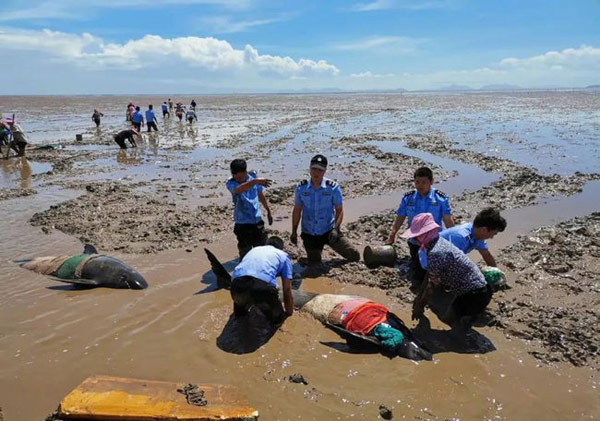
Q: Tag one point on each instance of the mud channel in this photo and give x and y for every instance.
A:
(157, 206)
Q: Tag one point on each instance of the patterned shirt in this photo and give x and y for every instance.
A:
(456, 271)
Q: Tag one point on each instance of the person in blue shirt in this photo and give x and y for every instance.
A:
(137, 119)
(472, 235)
(255, 282)
(165, 110)
(247, 191)
(151, 119)
(319, 204)
(424, 198)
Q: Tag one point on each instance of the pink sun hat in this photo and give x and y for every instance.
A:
(421, 224)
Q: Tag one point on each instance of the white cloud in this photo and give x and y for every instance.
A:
(584, 57)
(382, 43)
(227, 25)
(209, 53)
(74, 9)
(402, 4)
(368, 74)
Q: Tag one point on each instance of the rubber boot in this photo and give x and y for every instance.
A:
(344, 248)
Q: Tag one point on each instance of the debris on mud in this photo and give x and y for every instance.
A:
(385, 412)
(14, 193)
(555, 298)
(297, 378)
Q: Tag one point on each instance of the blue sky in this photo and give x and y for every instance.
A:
(195, 46)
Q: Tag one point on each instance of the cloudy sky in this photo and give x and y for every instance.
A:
(213, 46)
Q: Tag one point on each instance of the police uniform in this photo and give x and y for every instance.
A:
(435, 202)
(318, 219)
(249, 226)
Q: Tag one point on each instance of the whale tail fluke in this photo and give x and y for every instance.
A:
(223, 277)
(89, 249)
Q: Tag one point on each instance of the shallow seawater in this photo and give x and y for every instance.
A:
(52, 336)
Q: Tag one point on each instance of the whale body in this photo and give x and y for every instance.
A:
(88, 269)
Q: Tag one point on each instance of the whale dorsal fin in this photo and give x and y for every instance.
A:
(89, 249)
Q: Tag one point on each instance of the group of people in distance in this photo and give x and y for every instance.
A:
(438, 247)
(134, 114)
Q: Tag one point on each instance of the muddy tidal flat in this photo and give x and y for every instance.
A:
(534, 155)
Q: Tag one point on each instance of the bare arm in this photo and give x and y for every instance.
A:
(395, 227)
(339, 216)
(448, 221)
(244, 187)
(296, 214)
(288, 298)
(423, 298)
(263, 201)
(488, 258)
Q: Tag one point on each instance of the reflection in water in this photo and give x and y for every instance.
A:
(128, 156)
(243, 335)
(18, 167)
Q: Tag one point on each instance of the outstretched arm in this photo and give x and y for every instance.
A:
(488, 258)
(395, 227)
(288, 298)
(244, 187)
(263, 201)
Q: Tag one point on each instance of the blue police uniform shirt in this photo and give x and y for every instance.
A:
(137, 117)
(463, 237)
(246, 205)
(265, 263)
(435, 202)
(318, 205)
(150, 115)
(164, 107)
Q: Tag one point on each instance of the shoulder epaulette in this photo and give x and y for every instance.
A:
(252, 173)
(303, 183)
(441, 193)
(408, 193)
(331, 183)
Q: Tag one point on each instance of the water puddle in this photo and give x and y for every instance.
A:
(18, 172)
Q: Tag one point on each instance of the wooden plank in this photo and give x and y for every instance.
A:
(117, 398)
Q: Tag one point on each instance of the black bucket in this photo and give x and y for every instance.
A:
(379, 256)
(79, 137)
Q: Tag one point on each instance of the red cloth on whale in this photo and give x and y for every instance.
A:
(364, 318)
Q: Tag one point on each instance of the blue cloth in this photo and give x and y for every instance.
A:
(137, 117)
(456, 271)
(164, 107)
(265, 263)
(150, 116)
(435, 202)
(463, 237)
(318, 205)
(246, 205)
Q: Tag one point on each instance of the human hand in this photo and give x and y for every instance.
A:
(334, 235)
(264, 182)
(390, 240)
(294, 238)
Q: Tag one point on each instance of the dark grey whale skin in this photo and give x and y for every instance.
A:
(109, 272)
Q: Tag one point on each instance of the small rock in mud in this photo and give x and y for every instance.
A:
(385, 412)
(297, 378)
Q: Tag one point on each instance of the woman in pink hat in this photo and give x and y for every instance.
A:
(452, 270)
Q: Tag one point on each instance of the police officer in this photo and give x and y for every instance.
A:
(319, 203)
(424, 198)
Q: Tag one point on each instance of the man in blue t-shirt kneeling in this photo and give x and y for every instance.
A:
(255, 282)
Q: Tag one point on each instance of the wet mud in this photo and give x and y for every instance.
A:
(156, 206)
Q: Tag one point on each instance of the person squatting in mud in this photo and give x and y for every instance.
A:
(151, 119)
(473, 235)
(137, 119)
(246, 192)
(423, 198)
(255, 282)
(319, 204)
(96, 117)
(124, 135)
(449, 270)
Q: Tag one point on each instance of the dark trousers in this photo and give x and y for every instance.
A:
(248, 290)
(97, 121)
(138, 126)
(313, 244)
(152, 125)
(473, 302)
(166, 113)
(416, 274)
(250, 235)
